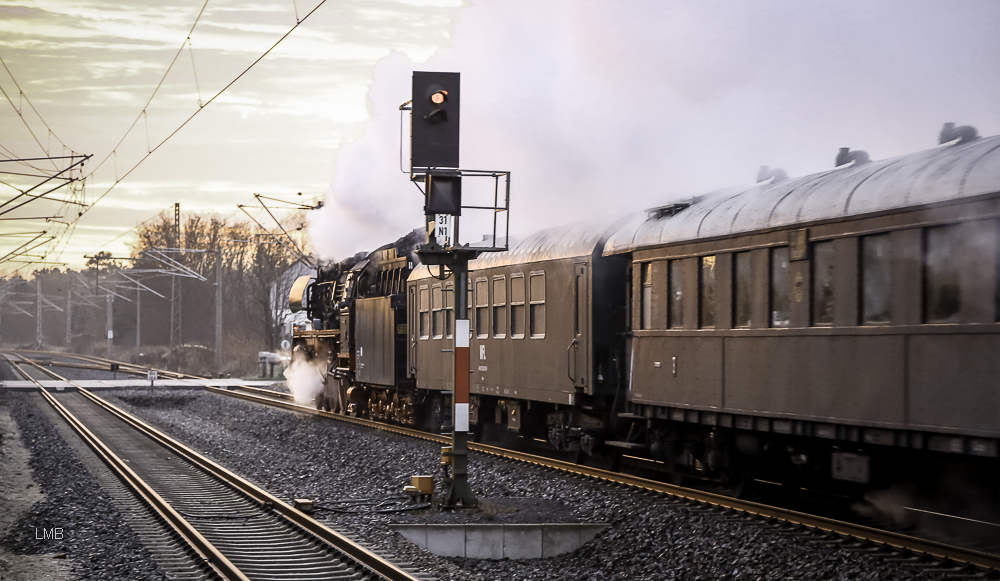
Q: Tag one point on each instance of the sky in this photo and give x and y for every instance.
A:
(596, 108)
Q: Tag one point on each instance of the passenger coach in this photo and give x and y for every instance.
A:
(824, 324)
(547, 322)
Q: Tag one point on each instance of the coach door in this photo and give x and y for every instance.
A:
(581, 323)
(412, 312)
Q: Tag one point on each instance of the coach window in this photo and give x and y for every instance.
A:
(536, 307)
(437, 312)
(780, 306)
(741, 298)
(676, 284)
(482, 308)
(425, 315)
(646, 299)
(499, 307)
(448, 303)
(706, 286)
(822, 279)
(876, 280)
(517, 306)
(943, 295)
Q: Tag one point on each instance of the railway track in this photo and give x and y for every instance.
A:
(229, 527)
(951, 561)
(102, 364)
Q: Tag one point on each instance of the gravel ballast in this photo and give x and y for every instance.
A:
(94, 537)
(302, 456)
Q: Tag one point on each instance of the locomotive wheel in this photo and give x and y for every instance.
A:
(378, 407)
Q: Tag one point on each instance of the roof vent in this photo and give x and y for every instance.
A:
(846, 156)
(667, 211)
(776, 175)
(963, 134)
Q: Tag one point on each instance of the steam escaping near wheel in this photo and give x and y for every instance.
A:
(305, 381)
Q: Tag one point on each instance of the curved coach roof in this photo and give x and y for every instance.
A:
(572, 241)
(947, 172)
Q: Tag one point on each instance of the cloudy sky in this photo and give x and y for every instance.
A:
(597, 108)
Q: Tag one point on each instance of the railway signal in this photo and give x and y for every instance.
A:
(435, 117)
(434, 162)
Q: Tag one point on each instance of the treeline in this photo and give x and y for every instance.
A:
(256, 273)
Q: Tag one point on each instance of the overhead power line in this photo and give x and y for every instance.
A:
(296, 253)
(142, 114)
(32, 197)
(200, 108)
(20, 112)
(71, 226)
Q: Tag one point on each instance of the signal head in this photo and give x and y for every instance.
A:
(439, 97)
(435, 120)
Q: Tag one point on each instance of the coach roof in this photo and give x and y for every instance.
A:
(576, 240)
(944, 173)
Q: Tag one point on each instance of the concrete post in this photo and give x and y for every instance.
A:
(138, 319)
(175, 294)
(69, 316)
(110, 324)
(38, 312)
(218, 310)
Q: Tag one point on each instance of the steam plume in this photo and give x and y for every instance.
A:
(604, 108)
(305, 381)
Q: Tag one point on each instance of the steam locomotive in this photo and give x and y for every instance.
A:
(824, 329)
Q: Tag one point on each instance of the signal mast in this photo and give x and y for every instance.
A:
(435, 170)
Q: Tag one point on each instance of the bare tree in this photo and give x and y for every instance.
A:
(252, 262)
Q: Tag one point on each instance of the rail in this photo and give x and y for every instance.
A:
(96, 363)
(362, 556)
(891, 539)
(933, 549)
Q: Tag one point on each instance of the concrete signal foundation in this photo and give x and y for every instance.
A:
(500, 541)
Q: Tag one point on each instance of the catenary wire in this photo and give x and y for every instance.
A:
(153, 94)
(20, 112)
(193, 115)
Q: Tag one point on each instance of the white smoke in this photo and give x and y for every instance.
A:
(305, 381)
(604, 108)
